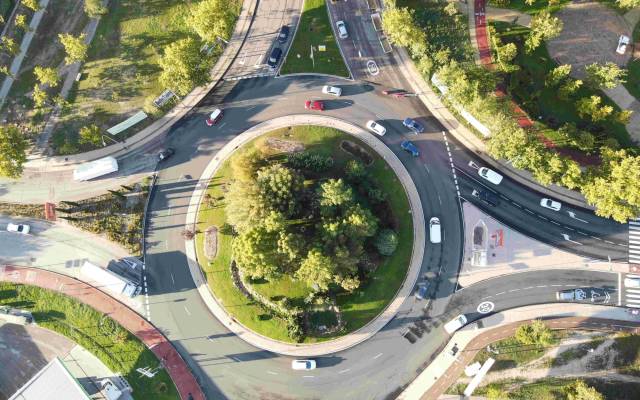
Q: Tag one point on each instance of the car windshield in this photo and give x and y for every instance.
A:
(20, 228)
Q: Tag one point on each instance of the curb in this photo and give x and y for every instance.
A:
(376, 324)
(317, 74)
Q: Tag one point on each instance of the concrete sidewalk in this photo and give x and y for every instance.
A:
(175, 365)
(370, 329)
(446, 369)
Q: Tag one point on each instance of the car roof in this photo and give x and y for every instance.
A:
(276, 51)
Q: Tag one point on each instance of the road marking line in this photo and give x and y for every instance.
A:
(582, 233)
(344, 370)
(516, 204)
(608, 241)
(632, 296)
(172, 280)
(513, 290)
(554, 222)
(187, 310)
(308, 376)
(619, 288)
(498, 294)
(527, 288)
(571, 285)
(272, 373)
(544, 218)
(529, 211)
(541, 286)
(556, 285)
(378, 355)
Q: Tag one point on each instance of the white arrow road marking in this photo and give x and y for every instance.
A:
(566, 237)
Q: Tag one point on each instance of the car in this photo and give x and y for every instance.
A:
(376, 128)
(486, 196)
(632, 282)
(413, 125)
(571, 295)
(435, 234)
(283, 35)
(395, 92)
(274, 58)
(342, 30)
(410, 147)
(550, 204)
(314, 105)
(303, 365)
(455, 324)
(490, 175)
(18, 228)
(623, 42)
(166, 153)
(332, 90)
(423, 288)
(214, 117)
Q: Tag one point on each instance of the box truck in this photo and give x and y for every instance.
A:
(104, 279)
(94, 169)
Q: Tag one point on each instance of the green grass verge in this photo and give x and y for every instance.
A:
(541, 102)
(512, 353)
(118, 349)
(314, 29)
(536, 7)
(359, 307)
(576, 352)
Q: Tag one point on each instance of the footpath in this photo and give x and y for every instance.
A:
(373, 326)
(175, 365)
(446, 369)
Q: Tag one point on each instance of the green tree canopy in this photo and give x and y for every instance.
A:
(90, 135)
(534, 333)
(183, 66)
(605, 76)
(13, 151)
(9, 46)
(592, 107)
(21, 21)
(279, 188)
(317, 270)
(335, 193)
(33, 5)
(94, 8)
(400, 27)
(74, 47)
(544, 26)
(557, 75)
(628, 4)
(578, 390)
(256, 253)
(386, 242)
(46, 75)
(212, 19)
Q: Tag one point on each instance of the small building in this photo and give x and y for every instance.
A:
(53, 382)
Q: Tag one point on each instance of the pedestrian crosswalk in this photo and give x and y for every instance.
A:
(634, 241)
(632, 290)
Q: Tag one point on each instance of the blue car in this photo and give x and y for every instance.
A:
(413, 125)
(410, 147)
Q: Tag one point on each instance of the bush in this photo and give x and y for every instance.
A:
(310, 161)
(355, 171)
(386, 242)
(94, 8)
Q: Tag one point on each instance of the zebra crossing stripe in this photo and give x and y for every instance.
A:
(632, 296)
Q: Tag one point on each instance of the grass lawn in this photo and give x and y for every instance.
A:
(536, 7)
(633, 68)
(359, 307)
(314, 29)
(514, 354)
(103, 337)
(541, 102)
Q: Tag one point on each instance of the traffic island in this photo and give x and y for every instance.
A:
(314, 48)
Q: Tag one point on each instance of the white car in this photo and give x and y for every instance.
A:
(18, 228)
(550, 204)
(342, 30)
(332, 90)
(303, 365)
(455, 324)
(376, 128)
(632, 282)
(623, 42)
(490, 175)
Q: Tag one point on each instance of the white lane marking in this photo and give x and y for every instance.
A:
(541, 286)
(556, 285)
(344, 370)
(377, 355)
(544, 218)
(566, 237)
(516, 204)
(608, 241)
(619, 289)
(172, 280)
(527, 288)
(187, 310)
(222, 125)
(555, 223)
(453, 170)
(514, 290)
(272, 373)
(308, 376)
(632, 296)
(498, 294)
(570, 285)
(529, 211)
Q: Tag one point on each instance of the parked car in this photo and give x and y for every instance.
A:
(623, 42)
(571, 295)
(550, 204)
(214, 117)
(274, 58)
(486, 196)
(410, 147)
(490, 175)
(632, 282)
(314, 105)
(166, 153)
(413, 125)
(423, 288)
(342, 30)
(303, 365)
(283, 35)
(376, 128)
(435, 233)
(18, 228)
(455, 324)
(332, 90)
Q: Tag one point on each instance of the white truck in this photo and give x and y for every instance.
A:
(94, 169)
(105, 279)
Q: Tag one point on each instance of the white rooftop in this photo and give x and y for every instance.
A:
(53, 382)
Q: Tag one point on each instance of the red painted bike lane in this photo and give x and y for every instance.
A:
(163, 349)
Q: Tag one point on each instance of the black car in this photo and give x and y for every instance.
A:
(274, 58)
(284, 34)
(166, 153)
(486, 196)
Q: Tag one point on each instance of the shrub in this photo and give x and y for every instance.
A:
(355, 171)
(310, 161)
(386, 242)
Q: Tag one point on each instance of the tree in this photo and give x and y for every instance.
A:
(213, 19)
(355, 171)
(21, 21)
(243, 207)
(569, 88)
(4, 70)
(39, 96)
(9, 46)
(94, 8)
(279, 188)
(74, 47)
(494, 392)
(360, 222)
(590, 107)
(400, 27)
(534, 333)
(386, 242)
(628, 4)
(46, 75)
(557, 75)
(615, 191)
(623, 116)
(255, 253)
(335, 193)
(578, 390)
(505, 55)
(13, 151)
(529, 2)
(572, 177)
(544, 26)
(90, 135)
(317, 270)
(183, 67)
(605, 76)
(31, 4)
(246, 164)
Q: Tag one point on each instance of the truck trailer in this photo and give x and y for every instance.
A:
(104, 279)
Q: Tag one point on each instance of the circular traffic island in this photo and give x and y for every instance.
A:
(305, 234)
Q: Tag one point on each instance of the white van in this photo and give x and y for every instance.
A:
(455, 324)
(434, 230)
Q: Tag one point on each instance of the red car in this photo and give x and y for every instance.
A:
(314, 105)
(214, 117)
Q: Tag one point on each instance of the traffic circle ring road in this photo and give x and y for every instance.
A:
(485, 307)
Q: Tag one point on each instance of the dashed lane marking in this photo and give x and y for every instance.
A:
(453, 170)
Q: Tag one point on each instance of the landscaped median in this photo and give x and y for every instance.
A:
(313, 31)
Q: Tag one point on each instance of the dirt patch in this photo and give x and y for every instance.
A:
(285, 146)
(211, 242)
(357, 151)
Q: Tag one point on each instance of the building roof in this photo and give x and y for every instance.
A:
(53, 382)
